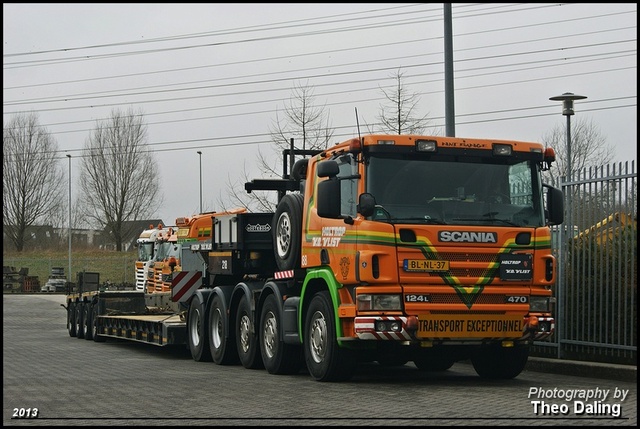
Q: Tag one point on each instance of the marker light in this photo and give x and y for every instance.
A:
(426, 145)
(502, 149)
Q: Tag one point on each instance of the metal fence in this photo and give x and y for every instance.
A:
(597, 284)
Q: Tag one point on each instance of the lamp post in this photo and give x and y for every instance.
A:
(200, 157)
(567, 110)
(69, 231)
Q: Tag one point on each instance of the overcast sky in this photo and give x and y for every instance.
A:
(211, 77)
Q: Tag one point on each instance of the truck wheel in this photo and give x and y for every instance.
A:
(428, 361)
(326, 361)
(79, 319)
(495, 362)
(287, 232)
(71, 319)
(86, 321)
(222, 347)
(246, 340)
(278, 357)
(94, 325)
(197, 336)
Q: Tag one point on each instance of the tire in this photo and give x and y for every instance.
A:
(495, 362)
(325, 360)
(222, 346)
(287, 232)
(94, 325)
(71, 319)
(278, 357)
(86, 321)
(428, 361)
(246, 340)
(390, 361)
(197, 336)
(79, 319)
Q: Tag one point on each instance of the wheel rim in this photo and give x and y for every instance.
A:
(94, 326)
(283, 241)
(78, 318)
(70, 318)
(318, 336)
(195, 327)
(216, 329)
(245, 329)
(269, 334)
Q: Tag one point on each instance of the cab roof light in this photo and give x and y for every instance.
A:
(502, 149)
(386, 142)
(426, 145)
(355, 145)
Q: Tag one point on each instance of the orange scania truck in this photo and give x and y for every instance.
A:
(387, 248)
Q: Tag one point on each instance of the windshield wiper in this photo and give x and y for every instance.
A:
(420, 219)
(488, 219)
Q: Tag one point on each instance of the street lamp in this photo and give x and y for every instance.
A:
(69, 231)
(567, 110)
(200, 157)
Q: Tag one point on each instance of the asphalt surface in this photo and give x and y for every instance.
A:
(76, 382)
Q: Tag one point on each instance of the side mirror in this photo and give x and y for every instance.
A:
(555, 205)
(366, 204)
(328, 202)
(328, 168)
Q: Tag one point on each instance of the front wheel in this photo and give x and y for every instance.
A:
(278, 357)
(495, 362)
(197, 336)
(246, 339)
(326, 360)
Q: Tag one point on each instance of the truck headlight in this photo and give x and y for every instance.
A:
(379, 302)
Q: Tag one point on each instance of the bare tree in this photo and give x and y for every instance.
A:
(33, 178)
(589, 148)
(400, 116)
(304, 122)
(119, 176)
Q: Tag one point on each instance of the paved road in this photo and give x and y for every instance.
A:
(75, 382)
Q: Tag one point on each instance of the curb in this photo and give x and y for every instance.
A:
(628, 373)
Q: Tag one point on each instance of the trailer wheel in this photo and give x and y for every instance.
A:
(94, 325)
(495, 362)
(287, 232)
(326, 360)
(278, 357)
(246, 339)
(86, 321)
(79, 319)
(222, 346)
(71, 319)
(428, 361)
(197, 335)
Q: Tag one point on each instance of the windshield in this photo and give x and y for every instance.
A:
(166, 250)
(474, 192)
(145, 251)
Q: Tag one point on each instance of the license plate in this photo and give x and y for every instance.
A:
(425, 265)
(469, 326)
